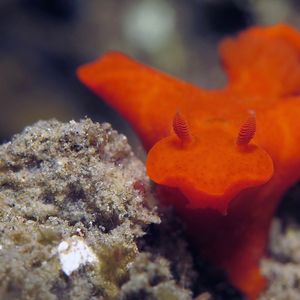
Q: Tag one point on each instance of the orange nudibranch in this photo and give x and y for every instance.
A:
(224, 171)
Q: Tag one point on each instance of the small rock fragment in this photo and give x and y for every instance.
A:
(74, 253)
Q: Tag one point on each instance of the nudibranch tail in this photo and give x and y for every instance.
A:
(247, 130)
(181, 128)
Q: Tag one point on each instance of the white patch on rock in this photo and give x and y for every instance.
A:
(73, 253)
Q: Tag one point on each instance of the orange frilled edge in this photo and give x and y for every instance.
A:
(226, 191)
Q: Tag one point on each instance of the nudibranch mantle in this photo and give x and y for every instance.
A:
(225, 173)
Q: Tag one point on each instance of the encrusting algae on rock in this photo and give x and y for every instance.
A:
(71, 213)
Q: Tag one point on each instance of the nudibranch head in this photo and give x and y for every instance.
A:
(211, 170)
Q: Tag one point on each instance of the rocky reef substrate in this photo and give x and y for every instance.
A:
(75, 205)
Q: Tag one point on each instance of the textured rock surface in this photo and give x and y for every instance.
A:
(283, 267)
(150, 278)
(66, 187)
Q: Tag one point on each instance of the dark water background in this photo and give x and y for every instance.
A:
(43, 41)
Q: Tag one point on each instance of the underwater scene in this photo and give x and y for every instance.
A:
(150, 150)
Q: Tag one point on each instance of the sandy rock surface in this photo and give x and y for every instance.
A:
(74, 201)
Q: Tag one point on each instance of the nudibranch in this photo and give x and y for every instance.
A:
(222, 157)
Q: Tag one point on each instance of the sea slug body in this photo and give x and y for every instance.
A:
(226, 196)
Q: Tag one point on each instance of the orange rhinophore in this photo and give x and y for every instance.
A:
(247, 131)
(226, 197)
(181, 128)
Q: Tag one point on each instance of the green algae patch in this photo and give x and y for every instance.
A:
(115, 261)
